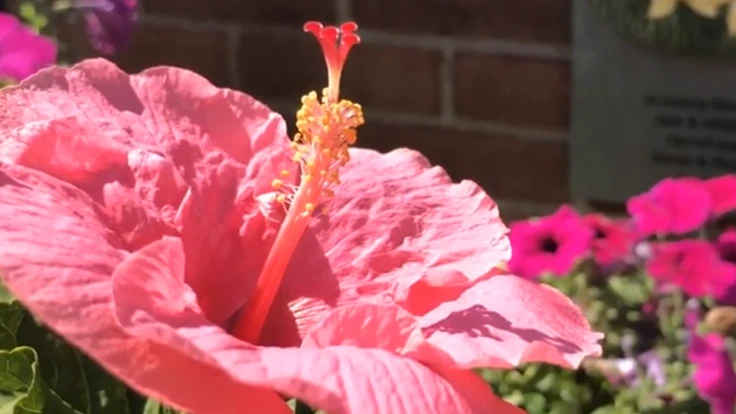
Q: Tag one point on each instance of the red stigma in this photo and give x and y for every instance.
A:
(336, 44)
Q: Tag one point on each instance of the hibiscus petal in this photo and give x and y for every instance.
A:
(396, 231)
(62, 148)
(505, 321)
(149, 290)
(44, 225)
(202, 156)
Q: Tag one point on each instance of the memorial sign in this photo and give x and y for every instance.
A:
(651, 98)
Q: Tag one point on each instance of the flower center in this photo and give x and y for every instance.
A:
(326, 128)
(599, 233)
(549, 244)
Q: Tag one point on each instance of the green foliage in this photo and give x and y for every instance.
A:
(684, 31)
(29, 12)
(154, 407)
(546, 389)
(40, 373)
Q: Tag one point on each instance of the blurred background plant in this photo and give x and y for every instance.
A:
(29, 38)
(660, 283)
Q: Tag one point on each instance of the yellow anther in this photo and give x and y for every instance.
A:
(297, 157)
(281, 198)
(306, 178)
(276, 184)
(285, 173)
(323, 173)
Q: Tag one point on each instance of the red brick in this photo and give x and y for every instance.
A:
(546, 21)
(286, 12)
(508, 168)
(513, 91)
(379, 77)
(204, 52)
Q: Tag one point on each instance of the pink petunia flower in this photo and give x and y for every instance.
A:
(714, 376)
(171, 231)
(693, 265)
(613, 242)
(722, 192)
(552, 244)
(22, 52)
(676, 206)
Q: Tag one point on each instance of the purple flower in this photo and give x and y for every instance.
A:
(22, 52)
(628, 369)
(714, 375)
(109, 23)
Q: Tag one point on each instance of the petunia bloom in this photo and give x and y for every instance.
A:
(722, 192)
(693, 265)
(22, 52)
(172, 231)
(714, 376)
(676, 206)
(109, 23)
(552, 244)
(613, 242)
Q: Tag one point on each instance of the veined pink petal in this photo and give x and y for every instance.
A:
(41, 265)
(152, 302)
(192, 160)
(397, 231)
(501, 322)
(62, 148)
(505, 321)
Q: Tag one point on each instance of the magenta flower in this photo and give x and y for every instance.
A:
(551, 244)
(714, 375)
(676, 206)
(693, 265)
(613, 242)
(722, 192)
(22, 52)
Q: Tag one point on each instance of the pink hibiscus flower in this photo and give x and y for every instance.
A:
(22, 52)
(714, 376)
(138, 214)
(552, 244)
(693, 265)
(613, 242)
(676, 206)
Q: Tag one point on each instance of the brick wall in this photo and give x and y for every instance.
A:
(481, 87)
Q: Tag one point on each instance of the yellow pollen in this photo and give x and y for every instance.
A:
(325, 130)
(285, 173)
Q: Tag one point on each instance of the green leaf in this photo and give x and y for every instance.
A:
(11, 316)
(155, 407)
(60, 365)
(46, 366)
(107, 394)
(630, 290)
(17, 369)
(535, 403)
